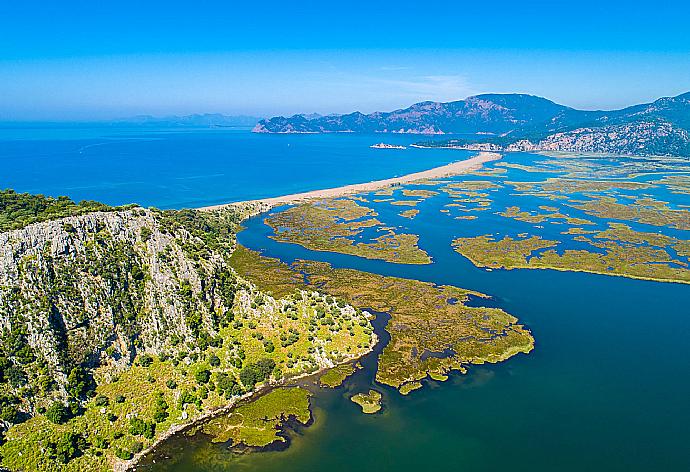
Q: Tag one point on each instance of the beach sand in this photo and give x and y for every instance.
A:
(454, 168)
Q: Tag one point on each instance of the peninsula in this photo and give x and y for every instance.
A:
(455, 168)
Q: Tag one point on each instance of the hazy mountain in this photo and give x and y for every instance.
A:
(196, 120)
(519, 121)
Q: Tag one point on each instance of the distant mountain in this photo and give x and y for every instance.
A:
(196, 120)
(519, 122)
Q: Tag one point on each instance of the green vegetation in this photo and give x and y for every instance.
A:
(409, 213)
(628, 253)
(642, 210)
(335, 377)
(370, 401)
(154, 287)
(550, 214)
(18, 210)
(259, 422)
(432, 330)
(334, 224)
(506, 253)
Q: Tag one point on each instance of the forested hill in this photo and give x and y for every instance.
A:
(519, 122)
(116, 324)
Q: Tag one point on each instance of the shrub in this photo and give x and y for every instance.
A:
(67, 447)
(57, 413)
(138, 427)
(123, 454)
(101, 400)
(202, 376)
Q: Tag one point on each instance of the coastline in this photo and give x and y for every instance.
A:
(454, 168)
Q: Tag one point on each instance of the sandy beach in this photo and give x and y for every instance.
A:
(447, 170)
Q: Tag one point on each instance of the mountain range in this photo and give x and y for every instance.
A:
(518, 122)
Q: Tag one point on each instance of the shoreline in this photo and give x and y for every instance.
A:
(454, 168)
(131, 465)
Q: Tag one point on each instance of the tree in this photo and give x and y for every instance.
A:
(160, 409)
(224, 383)
(57, 413)
(252, 374)
(214, 360)
(9, 410)
(80, 383)
(67, 447)
(10, 413)
(202, 376)
(138, 427)
(265, 367)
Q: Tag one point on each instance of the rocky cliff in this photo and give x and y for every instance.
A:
(121, 325)
(124, 282)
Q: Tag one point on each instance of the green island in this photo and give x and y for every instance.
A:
(409, 213)
(120, 327)
(335, 377)
(432, 330)
(642, 210)
(550, 214)
(370, 402)
(625, 253)
(259, 422)
(334, 224)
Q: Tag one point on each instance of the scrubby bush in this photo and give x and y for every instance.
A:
(202, 376)
(57, 413)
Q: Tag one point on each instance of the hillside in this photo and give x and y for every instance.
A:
(120, 325)
(519, 122)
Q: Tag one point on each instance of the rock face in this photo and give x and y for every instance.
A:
(521, 123)
(124, 281)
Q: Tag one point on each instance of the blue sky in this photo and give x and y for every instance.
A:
(96, 59)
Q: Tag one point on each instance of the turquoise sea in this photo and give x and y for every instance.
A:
(606, 388)
(172, 168)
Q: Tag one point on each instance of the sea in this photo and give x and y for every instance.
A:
(607, 387)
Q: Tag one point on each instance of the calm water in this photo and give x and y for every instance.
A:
(192, 168)
(606, 387)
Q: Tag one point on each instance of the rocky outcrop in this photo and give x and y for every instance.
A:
(122, 282)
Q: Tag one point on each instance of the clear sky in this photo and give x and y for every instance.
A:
(68, 59)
